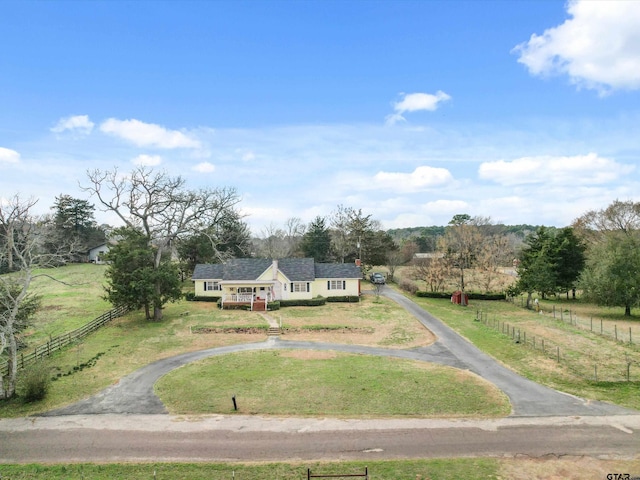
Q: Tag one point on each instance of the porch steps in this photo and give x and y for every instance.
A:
(274, 328)
(273, 332)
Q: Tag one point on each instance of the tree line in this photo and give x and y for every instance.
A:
(598, 255)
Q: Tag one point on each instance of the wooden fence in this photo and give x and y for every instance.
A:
(61, 341)
(612, 371)
(595, 325)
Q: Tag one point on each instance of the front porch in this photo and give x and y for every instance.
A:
(255, 303)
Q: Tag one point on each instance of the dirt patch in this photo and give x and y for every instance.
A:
(568, 468)
(376, 338)
(245, 330)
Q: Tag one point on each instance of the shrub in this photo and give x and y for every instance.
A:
(345, 299)
(273, 306)
(193, 298)
(35, 382)
(304, 302)
(432, 294)
(471, 296)
(409, 286)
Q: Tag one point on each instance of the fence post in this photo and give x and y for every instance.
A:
(558, 348)
(600, 326)
(615, 327)
(543, 346)
(592, 324)
(630, 342)
(595, 372)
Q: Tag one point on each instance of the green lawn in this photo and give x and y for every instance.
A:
(71, 296)
(467, 468)
(327, 384)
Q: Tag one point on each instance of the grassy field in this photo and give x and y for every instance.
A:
(71, 296)
(580, 350)
(328, 384)
(567, 468)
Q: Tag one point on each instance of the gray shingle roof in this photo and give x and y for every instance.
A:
(234, 269)
(296, 269)
(337, 270)
(245, 268)
(208, 271)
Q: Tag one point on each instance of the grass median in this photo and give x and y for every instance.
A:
(325, 383)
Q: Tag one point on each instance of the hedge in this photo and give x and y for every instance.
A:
(191, 297)
(344, 299)
(304, 302)
(471, 296)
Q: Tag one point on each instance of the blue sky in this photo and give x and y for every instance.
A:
(523, 111)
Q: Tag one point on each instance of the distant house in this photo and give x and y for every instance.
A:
(96, 254)
(428, 256)
(258, 281)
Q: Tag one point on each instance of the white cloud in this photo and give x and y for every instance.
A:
(9, 156)
(147, 160)
(147, 134)
(76, 123)
(587, 169)
(598, 48)
(421, 178)
(413, 102)
(204, 167)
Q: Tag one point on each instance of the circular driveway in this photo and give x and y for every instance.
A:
(127, 422)
(134, 393)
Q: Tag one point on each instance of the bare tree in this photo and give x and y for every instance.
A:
(294, 231)
(341, 239)
(460, 245)
(494, 253)
(272, 242)
(433, 270)
(19, 240)
(160, 207)
(618, 218)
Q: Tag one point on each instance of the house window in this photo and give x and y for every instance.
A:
(337, 285)
(209, 286)
(245, 290)
(300, 286)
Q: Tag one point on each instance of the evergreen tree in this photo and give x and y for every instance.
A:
(536, 267)
(551, 262)
(132, 277)
(73, 222)
(316, 242)
(570, 260)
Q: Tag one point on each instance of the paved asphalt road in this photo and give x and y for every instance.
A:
(128, 422)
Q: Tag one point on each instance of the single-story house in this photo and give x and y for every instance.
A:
(96, 254)
(257, 281)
